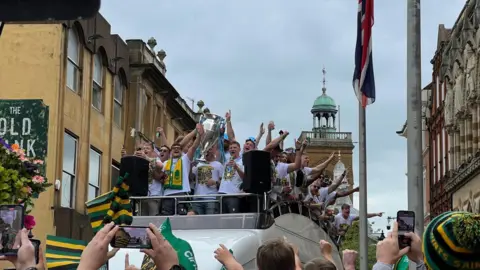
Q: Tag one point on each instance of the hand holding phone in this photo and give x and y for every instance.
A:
(131, 237)
(11, 222)
(36, 245)
(406, 223)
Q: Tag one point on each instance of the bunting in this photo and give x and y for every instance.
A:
(63, 253)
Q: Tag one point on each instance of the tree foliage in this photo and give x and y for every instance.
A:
(352, 242)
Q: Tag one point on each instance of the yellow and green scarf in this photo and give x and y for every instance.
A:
(175, 177)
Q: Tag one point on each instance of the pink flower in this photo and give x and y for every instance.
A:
(38, 161)
(29, 222)
(37, 179)
(22, 157)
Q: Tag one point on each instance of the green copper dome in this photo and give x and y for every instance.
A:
(324, 103)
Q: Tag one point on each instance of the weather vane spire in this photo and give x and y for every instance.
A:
(324, 71)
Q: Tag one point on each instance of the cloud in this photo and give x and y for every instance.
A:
(263, 60)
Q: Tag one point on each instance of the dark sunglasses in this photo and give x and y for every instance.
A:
(164, 150)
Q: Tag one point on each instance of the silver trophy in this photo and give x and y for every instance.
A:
(212, 125)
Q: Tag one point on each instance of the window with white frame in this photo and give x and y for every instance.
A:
(94, 174)
(69, 170)
(118, 101)
(73, 63)
(97, 87)
(115, 173)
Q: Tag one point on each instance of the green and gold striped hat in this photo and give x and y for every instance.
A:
(452, 241)
(112, 206)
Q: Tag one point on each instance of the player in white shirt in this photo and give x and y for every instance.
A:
(232, 180)
(280, 179)
(344, 220)
(177, 169)
(207, 176)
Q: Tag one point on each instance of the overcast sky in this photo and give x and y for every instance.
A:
(264, 59)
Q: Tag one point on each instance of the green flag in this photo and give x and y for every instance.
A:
(402, 263)
(223, 266)
(186, 258)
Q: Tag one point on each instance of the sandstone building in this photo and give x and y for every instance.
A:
(97, 87)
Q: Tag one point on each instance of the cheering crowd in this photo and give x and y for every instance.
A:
(174, 172)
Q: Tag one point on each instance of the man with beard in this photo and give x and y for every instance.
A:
(177, 169)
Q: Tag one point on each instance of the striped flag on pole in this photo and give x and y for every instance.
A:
(363, 77)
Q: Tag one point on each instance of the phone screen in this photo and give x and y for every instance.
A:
(36, 245)
(11, 222)
(131, 237)
(406, 223)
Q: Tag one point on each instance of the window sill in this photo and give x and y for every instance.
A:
(74, 91)
(97, 110)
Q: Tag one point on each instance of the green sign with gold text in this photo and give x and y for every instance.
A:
(25, 122)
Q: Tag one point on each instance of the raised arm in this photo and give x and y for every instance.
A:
(271, 126)
(193, 148)
(187, 138)
(276, 142)
(260, 135)
(319, 168)
(380, 214)
(299, 148)
(230, 132)
(334, 185)
(160, 136)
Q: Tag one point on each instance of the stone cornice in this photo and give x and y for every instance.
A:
(464, 174)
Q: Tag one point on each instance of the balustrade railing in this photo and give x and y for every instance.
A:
(327, 136)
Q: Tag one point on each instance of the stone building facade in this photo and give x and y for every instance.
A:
(92, 82)
(459, 80)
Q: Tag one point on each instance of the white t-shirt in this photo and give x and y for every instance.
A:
(204, 172)
(340, 220)
(280, 180)
(185, 181)
(155, 188)
(307, 171)
(231, 180)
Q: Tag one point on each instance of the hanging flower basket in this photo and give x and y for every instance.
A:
(21, 179)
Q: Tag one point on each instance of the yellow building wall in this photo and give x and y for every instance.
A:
(319, 155)
(30, 68)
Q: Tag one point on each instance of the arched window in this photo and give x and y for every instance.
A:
(73, 64)
(118, 101)
(97, 87)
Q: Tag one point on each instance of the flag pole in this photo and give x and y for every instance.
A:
(414, 115)
(362, 134)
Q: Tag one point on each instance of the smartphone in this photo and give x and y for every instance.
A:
(406, 223)
(11, 222)
(131, 237)
(36, 245)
